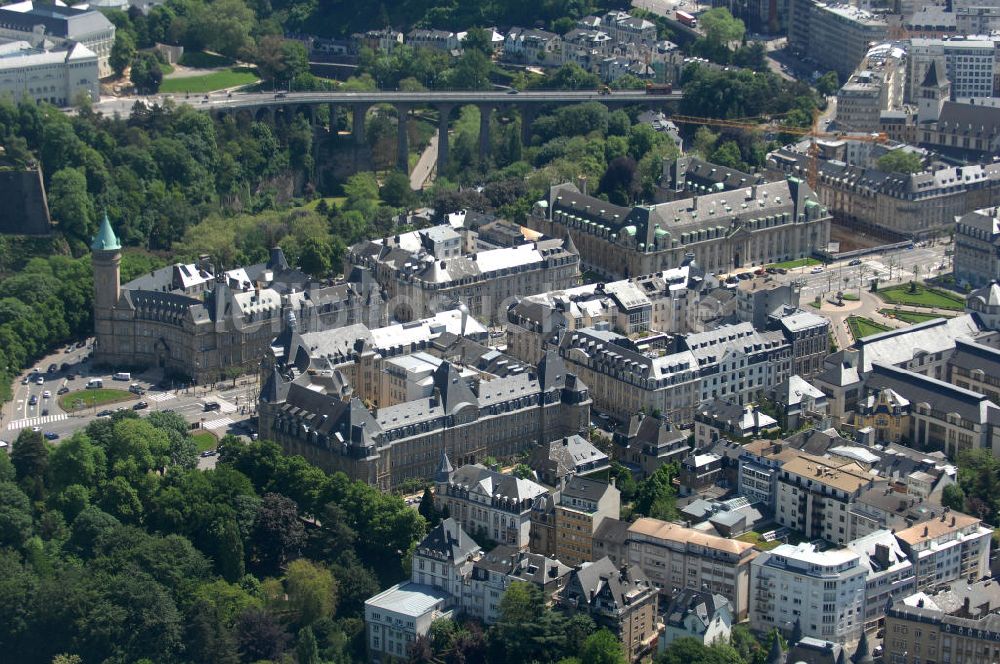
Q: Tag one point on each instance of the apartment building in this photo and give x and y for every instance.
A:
(532, 47)
(752, 226)
(951, 547)
(672, 375)
(619, 599)
(955, 624)
(451, 577)
(430, 270)
(646, 443)
(818, 594)
(977, 247)
(896, 204)
(486, 501)
(814, 494)
(398, 616)
(835, 35)
(969, 64)
(675, 558)
(580, 508)
(666, 301)
(877, 85)
(888, 574)
(496, 570)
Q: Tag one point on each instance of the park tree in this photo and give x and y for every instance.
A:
(122, 52)
(260, 636)
(278, 534)
(479, 39)
(30, 457)
(146, 74)
(720, 27)
(900, 161)
(70, 204)
(602, 647)
(396, 190)
(828, 84)
(311, 591)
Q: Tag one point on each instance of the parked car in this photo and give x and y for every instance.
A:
(51, 435)
(744, 276)
(856, 261)
(782, 270)
(53, 368)
(25, 380)
(142, 405)
(208, 453)
(64, 366)
(40, 380)
(106, 413)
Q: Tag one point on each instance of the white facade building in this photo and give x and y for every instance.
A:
(822, 591)
(952, 546)
(969, 64)
(52, 76)
(889, 573)
(487, 501)
(59, 24)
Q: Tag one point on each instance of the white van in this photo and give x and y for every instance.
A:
(95, 383)
(122, 375)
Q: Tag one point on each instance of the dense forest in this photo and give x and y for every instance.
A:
(115, 549)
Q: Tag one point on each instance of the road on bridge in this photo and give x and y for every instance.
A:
(256, 100)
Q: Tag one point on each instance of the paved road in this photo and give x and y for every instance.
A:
(19, 413)
(237, 100)
(425, 165)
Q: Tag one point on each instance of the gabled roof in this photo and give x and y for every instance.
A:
(448, 541)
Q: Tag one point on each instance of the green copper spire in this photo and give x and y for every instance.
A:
(105, 240)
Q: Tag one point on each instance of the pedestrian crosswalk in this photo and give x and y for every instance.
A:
(28, 422)
(218, 424)
(161, 396)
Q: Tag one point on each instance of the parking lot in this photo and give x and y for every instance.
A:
(222, 409)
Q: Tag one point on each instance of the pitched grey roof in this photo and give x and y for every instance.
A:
(943, 397)
(601, 579)
(704, 604)
(497, 485)
(448, 542)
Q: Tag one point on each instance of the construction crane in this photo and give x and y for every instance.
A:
(768, 124)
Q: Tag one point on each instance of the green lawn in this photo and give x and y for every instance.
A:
(205, 441)
(911, 317)
(801, 262)
(330, 200)
(73, 401)
(210, 82)
(851, 297)
(863, 327)
(754, 538)
(166, 68)
(202, 60)
(922, 297)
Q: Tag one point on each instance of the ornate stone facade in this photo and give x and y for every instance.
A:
(196, 324)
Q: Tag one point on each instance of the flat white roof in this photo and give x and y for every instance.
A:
(409, 599)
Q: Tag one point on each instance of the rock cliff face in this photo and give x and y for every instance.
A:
(25, 210)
